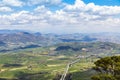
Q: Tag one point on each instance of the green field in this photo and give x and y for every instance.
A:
(44, 63)
(38, 66)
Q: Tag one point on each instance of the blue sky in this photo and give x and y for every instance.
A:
(97, 2)
(104, 2)
(61, 16)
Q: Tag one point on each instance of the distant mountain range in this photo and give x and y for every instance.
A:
(15, 39)
(10, 31)
(88, 37)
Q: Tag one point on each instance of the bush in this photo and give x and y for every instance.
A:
(103, 77)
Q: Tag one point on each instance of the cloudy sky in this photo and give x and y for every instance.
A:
(61, 16)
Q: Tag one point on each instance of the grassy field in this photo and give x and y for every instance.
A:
(44, 63)
(37, 64)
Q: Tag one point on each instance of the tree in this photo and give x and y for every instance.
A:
(108, 68)
(103, 77)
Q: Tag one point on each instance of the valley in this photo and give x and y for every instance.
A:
(44, 63)
(30, 56)
(59, 39)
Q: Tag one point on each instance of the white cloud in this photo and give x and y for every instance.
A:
(5, 9)
(56, 2)
(78, 5)
(79, 17)
(40, 9)
(22, 17)
(16, 3)
(45, 2)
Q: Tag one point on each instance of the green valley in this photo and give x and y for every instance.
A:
(46, 63)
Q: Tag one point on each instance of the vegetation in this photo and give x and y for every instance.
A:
(49, 62)
(108, 68)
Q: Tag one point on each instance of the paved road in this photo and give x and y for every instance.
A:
(70, 64)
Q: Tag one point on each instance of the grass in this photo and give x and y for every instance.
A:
(83, 75)
(37, 65)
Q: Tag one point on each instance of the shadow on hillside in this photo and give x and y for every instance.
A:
(83, 75)
(80, 75)
(7, 79)
(35, 76)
